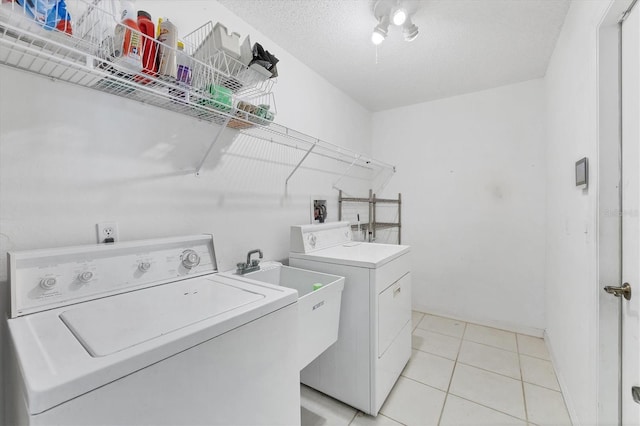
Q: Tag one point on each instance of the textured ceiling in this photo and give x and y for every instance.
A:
(463, 46)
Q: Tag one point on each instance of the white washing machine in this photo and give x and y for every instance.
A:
(374, 339)
(146, 332)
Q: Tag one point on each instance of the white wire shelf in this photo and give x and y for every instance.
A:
(378, 171)
(86, 58)
(242, 79)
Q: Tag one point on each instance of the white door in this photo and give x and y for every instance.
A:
(631, 217)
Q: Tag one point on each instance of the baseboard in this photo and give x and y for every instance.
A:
(502, 325)
(573, 415)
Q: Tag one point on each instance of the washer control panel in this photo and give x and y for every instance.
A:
(309, 238)
(46, 279)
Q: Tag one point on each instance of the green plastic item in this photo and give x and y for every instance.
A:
(317, 286)
(264, 115)
(221, 98)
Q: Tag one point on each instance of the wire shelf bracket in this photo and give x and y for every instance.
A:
(295, 169)
(212, 144)
(346, 172)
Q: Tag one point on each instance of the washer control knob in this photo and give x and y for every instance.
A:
(144, 266)
(48, 283)
(312, 240)
(190, 259)
(85, 277)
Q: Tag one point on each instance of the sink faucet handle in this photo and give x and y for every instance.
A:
(240, 267)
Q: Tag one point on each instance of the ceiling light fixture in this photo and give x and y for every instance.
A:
(409, 30)
(392, 11)
(381, 30)
(399, 16)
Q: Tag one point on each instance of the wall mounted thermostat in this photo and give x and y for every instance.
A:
(582, 173)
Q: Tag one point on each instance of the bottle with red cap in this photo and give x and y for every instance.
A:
(128, 43)
(149, 47)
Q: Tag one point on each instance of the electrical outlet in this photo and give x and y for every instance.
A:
(107, 232)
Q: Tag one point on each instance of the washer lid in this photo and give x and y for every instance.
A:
(55, 364)
(110, 325)
(364, 255)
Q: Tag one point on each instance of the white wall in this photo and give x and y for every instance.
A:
(71, 157)
(471, 171)
(572, 284)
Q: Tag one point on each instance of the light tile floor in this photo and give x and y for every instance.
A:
(459, 374)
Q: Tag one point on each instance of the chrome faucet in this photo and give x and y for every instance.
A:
(250, 265)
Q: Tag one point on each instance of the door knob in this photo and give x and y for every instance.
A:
(625, 290)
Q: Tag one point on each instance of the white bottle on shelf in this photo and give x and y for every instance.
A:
(168, 36)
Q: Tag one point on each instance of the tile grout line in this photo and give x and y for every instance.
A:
(475, 402)
(456, 361)
(495, 347)
(423, 384)
(479, 325)
(490, 408)
(453, 370)
(417, 323)
(491, 371)
(535, 357)
(479, 368)
(436, 332)
(524, 397)
(473, 341)
(431, 353)
(354, 417)
(543, 387)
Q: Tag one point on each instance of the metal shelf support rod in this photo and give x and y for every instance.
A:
(206, 155)
(286, 182)
(356, 200)
(346, 172)
(335, 157)
(386, 200)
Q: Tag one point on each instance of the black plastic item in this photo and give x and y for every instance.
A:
(265, 59)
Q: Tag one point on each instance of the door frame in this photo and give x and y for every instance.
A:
(609, 223)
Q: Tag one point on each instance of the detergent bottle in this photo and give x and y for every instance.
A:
(128, 42)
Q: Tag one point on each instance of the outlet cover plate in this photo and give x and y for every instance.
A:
(106, 230)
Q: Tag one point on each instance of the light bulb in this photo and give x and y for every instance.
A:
(409, 31)
(376, 37)
(380, 31)
(399, 16)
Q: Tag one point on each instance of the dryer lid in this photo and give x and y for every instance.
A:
(363, 255)
(113, 324)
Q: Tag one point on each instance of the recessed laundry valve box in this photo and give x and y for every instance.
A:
(319, 299)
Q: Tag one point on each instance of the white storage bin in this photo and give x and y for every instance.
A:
(229, 43)
(318, 310)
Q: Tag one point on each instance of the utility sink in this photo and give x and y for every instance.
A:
(318, 310)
